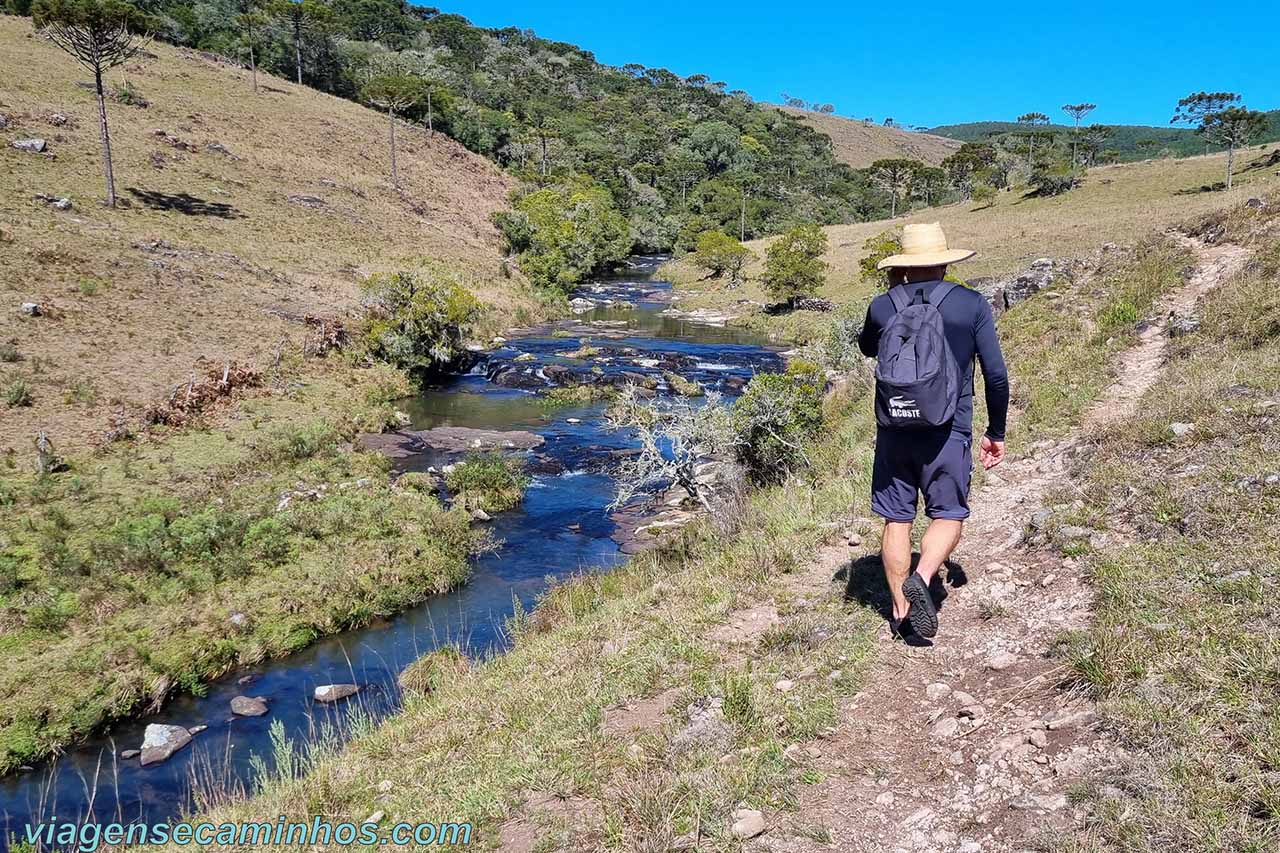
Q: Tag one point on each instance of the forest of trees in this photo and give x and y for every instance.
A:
(676, 155)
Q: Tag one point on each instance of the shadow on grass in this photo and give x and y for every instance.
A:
(185, 203)
(1203, 188)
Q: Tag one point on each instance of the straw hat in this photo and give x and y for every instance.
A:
(925, 246)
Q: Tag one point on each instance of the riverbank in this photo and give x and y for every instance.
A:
(277, 536)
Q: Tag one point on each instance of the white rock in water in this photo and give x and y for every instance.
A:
(161, 741)
(248, 706)
(334, 692)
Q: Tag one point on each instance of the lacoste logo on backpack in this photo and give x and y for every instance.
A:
(901, 408)
(917, 378)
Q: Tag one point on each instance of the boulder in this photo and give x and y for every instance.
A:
(248, 706)
(1256, 204)
(160, 741)
(31, 146)
(335, 692)
(57, 202)
(1005, 292)
(581, 305)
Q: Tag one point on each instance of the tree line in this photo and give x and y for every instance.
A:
(674, 155)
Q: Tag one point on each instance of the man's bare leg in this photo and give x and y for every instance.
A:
(939, 541)
(895, 554)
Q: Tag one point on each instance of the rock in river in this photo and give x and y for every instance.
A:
(334, 692)
(161, 741)
(404, 443)
(248, 706)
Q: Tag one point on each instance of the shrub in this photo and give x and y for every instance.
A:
(295, 442)
(878, 248)
(18, 394)
(268, 541)
(565, 231)
(719, 253)
(418, 321)
(775, 417)
(793, 265)
(487, 481)
(839, 349)
(128, 94)
(9, 353)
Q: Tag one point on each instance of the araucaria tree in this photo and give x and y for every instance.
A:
(894, 176)
(793, 265)
(99, 34)
(394, 93)
(302, 18)
(1033, 122)
(251, 22)
(1077, 112)
(1220, 120)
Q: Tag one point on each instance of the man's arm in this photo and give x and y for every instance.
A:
(995, 375)
(869, 337)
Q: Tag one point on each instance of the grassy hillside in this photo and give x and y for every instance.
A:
(858, 144)
(1116, 204)
(243, 210)
(1175, 141)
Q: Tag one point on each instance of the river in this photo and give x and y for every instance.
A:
(562, 527)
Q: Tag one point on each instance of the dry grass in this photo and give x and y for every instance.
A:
(859, 145)
(135, 296)
(1117, 204)
(1185, 652)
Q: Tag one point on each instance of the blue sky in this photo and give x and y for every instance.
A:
(927, 62)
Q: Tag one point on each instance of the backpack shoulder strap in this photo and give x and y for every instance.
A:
(898, 296)
(941, 292)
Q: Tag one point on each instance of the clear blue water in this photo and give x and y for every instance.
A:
(562, 527)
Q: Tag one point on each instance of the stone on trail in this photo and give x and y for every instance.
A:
(945, 728)
(31, 146)
(1001, 661)
(937, 691)
(160, 741)
(248, 706)
(32, 309)
(334, 692)
(747, 823)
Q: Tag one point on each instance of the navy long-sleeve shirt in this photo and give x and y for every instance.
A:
(971, 332)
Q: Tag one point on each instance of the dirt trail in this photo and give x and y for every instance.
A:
(972, 744)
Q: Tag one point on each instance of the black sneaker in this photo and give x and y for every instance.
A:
(922, 616)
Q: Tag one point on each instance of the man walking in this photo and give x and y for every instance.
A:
(925, 333)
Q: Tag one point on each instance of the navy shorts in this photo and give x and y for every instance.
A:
(937, 464)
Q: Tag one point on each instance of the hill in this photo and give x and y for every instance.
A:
(244, 211)
(859, 144)
(1116, 204)
(1125, 138)
(676, 154)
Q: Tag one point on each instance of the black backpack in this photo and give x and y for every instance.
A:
(917, 379)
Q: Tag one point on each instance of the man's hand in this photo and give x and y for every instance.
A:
(991, 452)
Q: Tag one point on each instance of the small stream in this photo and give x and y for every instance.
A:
(562, 527)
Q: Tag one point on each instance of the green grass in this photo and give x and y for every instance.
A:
(488, 481)
(1183, 656)
(119, 577)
